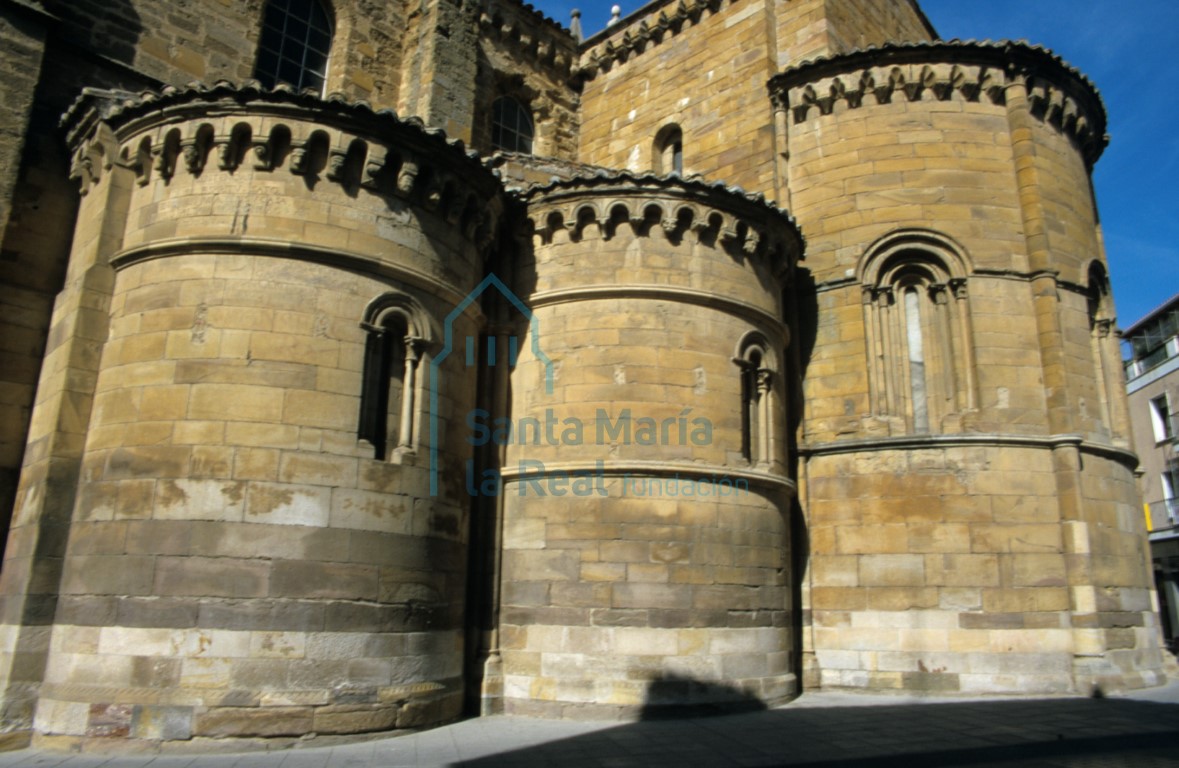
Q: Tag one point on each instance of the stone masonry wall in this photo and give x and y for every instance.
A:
(959, 554)
(718, 102)
(207, 40)
(238, 563)
(23, 39)
(666, 584)
(528, 57)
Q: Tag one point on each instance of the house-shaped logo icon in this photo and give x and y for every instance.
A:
(470, 350)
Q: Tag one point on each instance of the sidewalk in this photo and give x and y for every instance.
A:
(819, 730)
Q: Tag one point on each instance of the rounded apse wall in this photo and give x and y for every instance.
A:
(646, 546)
(240, 563)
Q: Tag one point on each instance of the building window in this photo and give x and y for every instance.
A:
(388, 397)
(669, 150)
(1170, 478)
(757, 382)
(917, 328)
(511, 126)
(294, 46)
(916, 373)
(1160, 418)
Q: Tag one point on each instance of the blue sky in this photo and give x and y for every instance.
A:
(1129, 51)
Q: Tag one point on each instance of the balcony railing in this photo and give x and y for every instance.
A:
(1172, 510)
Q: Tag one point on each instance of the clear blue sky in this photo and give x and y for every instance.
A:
(1130, 50)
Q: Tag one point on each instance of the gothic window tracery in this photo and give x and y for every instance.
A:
(294, 45)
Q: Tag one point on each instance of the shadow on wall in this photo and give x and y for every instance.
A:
(678, 696)
(110, 26)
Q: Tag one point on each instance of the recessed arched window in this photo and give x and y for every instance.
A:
(511, 126)
(1103, 346)
(388, 398)
(669, 150)
(757, 366)
(295, 43)
(917, 323)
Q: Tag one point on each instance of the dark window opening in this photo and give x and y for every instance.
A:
(295, 43)
(511, 126)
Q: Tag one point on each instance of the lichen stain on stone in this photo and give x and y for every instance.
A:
(233, 492)
(380, 476)
(169, 494)
(374, 508)
(265, 500)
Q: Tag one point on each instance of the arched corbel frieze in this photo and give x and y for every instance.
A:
(201, 130)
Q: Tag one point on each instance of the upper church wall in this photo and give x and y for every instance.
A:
(179, 42)
(854, 24)
(717, 55)
(528, 57)
(717, 100)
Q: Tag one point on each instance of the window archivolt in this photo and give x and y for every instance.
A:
(396, 334)
(1103, 344)
(758, 366)
(917, 323)
(668, 151)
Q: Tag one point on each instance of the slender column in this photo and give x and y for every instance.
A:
(966, 333)
(405, 441)
(872, 341)
(1100, 330)
(764, 382)
(941, 330)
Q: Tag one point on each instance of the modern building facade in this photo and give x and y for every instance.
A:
(1152, 347)
(372, 361)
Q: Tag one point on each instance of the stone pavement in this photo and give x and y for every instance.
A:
(819, 730)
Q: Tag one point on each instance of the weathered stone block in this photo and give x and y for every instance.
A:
(221, 722)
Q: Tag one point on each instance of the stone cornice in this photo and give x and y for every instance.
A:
(677, 294)
(736, 218)
(988, 440)
(974, 274)
(221, 127)
(1058, 93)
(686, 471)
(336, 256)
(644, 29)
(531, 35)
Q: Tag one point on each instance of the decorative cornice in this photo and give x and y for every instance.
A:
(686, 471)
(643, 30)
(335, 256)
(988, 440)
(221, 127)
(1058, 93)
(531, 35)
(729, 214)
(678, 294)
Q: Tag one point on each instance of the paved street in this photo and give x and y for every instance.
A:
(819, 730)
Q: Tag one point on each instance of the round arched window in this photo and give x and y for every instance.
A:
(511, 126)
(294, 45)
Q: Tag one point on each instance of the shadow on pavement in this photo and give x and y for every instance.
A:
(1081, 733)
